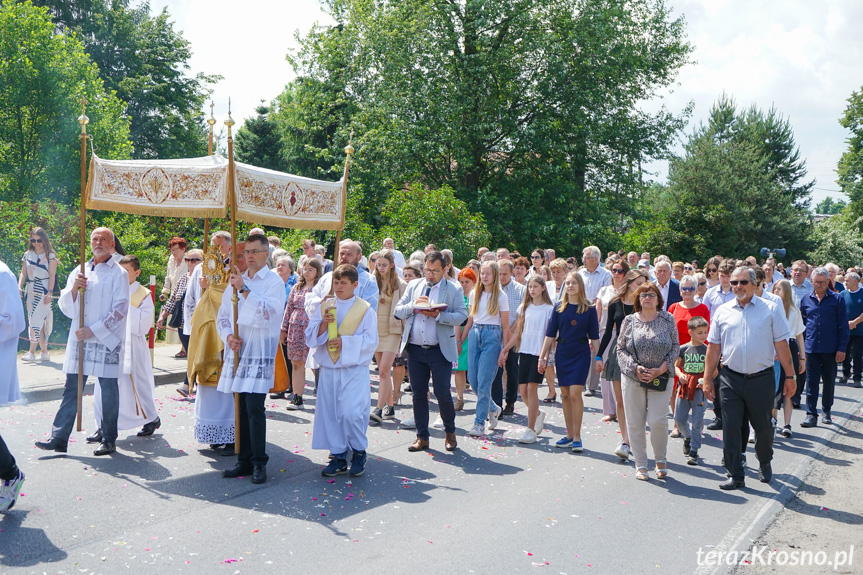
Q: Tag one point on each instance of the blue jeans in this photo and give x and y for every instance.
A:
(691, 411)
(65, 417)
(483, 350)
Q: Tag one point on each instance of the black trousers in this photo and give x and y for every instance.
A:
(422, 365)
(854, 358)
(820, 368)
(511, 367)
(253, 429)
(8, 469)
(744, 397)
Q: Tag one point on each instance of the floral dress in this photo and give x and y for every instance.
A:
(295, 322)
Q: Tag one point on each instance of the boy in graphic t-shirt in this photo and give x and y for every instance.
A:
(690, 405)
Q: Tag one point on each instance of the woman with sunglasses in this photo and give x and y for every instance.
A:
(538, 259)
(176, 268)
(683, 311)
(711, 271)
(178, 294)
(618, 269)
(39, 271)
(700, 286)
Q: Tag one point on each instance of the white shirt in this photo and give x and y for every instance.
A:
(535, 323)
(664, 291)
(424, 329)
(747, 334)
(482, 317)
(594, 281)
(11, 324)
(772, 297)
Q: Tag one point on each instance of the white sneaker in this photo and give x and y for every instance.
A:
(408, 423)
(539, 425)
(476, 431)
(528, 437)
(493, 414)
(438, 423)
(44, 357)
(9, 491)
(622, 451)
(29, 356)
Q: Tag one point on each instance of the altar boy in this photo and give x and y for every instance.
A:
(344, 392)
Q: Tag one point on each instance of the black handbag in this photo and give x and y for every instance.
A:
(176, 319)
(660, 382)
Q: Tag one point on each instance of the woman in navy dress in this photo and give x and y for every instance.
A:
(575, 326)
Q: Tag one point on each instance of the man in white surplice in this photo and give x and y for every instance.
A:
(259, 319)
(137, 386)
(344, 393)
(106, 304)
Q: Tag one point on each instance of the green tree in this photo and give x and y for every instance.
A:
(828, 206)
(43, 76)
(850, 168)
(512, 103)
(838, 239)
(145, 61)
(257, 142)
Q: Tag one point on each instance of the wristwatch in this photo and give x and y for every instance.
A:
(244, 289)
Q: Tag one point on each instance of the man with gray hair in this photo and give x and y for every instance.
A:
(853, 297)
(595, 276)
(827, 332)
(667, 285)
(399, 257)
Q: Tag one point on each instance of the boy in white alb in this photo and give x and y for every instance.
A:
(137, 386)
(344, 392)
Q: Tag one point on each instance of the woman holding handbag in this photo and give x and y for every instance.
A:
(647, 347)
(172, 311)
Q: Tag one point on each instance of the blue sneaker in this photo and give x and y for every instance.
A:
(358, 463)
(338, 465)
(577, 447)
(563, 442)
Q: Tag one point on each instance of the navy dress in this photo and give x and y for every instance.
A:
(573, 331)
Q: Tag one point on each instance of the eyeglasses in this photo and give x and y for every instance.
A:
(689, 288)
(35, 241)
(647, 295)
(193, 259)
(431, 271)
(617, 270)
(249, 252)
(702, 283)
(741, 282)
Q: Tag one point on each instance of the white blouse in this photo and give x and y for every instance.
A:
(535, 323)
(482, 316)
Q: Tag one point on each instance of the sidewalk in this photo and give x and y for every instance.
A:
(44, 380)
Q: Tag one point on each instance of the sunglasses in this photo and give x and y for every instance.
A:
(535, 257)
(193, 259)
(688, 268)
(36, 241)
(702, 283)
(689, 288)
(617, 270)
(740, 282)
(712, 270)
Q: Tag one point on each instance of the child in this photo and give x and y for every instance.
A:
(574, 325)
(136, 386)
(344, 390)
(533, 315)
(690, 396)
(488, 326)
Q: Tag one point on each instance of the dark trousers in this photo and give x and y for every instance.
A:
(184, 341)
(253, 429)
(744, 397)
(511, 367)
(8, 469)
(65, 418)
(424, 364)
(717, 401)
(854, 358)
(820, 367)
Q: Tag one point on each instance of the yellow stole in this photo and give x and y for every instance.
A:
(137, 298)
(349, 324)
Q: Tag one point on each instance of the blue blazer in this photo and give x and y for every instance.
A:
(456, 314)
(673, 293)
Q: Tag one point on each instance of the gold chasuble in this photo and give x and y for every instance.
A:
(205, 345)
(349, 325)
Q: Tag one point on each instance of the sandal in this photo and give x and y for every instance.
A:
(641, 474)
(663, 472)
(609, 418)
(551, 399)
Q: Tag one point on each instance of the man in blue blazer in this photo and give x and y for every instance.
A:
(668, 286)
(429, 337)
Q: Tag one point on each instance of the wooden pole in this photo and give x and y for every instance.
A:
(83, 120)
(235, 298)
(349, 151)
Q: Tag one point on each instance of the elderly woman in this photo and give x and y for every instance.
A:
(520, 269)
(178, 294)
(176, 268)
(647, 347)
(700, 286)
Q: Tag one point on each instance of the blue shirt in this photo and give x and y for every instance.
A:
(800, 291)
(715, 297)
(854, 307)
(826, 322)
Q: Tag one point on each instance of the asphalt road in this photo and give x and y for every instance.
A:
(159, 505)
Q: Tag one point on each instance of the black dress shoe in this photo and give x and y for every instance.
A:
(96, 437)
(227, 450)
(508, 409)
(765, 473)
(106, 448)
(715, 424)
(53, 444)
(238, 470)
(149, 428)
(259, 474)
(732, 484)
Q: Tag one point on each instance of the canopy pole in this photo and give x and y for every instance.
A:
(349, 151)
(83, 120)
(235, 298)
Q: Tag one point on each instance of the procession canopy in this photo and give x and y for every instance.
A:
(197, 187)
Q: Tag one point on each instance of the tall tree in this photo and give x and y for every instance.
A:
(509, 102)
(42, 78)
(850, 168)
(145, 61)
(258, 141)
(828, 206)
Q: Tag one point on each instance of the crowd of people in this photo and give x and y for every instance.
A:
(651, 336)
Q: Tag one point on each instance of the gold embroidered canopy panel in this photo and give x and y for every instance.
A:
(284, 200)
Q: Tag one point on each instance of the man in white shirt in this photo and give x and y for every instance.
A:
(668, 286)
(399, 257)
(105, 288)
(367, 288)
(595, 276)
